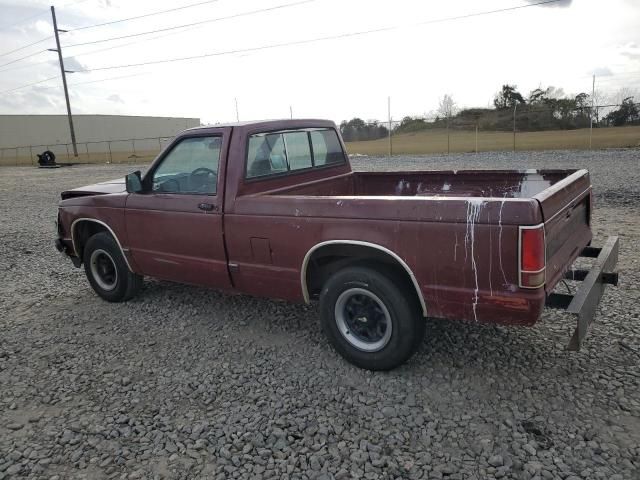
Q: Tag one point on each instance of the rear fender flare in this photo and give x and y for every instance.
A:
(395, 256)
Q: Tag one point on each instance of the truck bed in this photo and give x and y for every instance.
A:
(445, 183)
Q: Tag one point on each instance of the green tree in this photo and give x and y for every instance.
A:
(508, 97)
(357, 129)
(627, 113)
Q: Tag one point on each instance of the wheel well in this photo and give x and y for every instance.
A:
(83, 231)
(328, 259)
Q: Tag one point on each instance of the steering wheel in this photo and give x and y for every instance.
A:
(202, 175)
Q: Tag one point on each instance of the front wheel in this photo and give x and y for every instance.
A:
(107, 270)
(371, 318)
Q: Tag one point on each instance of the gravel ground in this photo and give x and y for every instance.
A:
(187, 383)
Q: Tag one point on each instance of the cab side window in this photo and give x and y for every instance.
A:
(276, 153)
(267, 155)
(326, 147)
(191, 167)
(298, 150)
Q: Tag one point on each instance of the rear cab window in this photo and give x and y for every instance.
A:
(287, 151)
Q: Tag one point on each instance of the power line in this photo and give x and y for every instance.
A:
(317, 39)
(91, 52)
(26, 46)
(28, 65)
(252, 12)
(100, 80)
(299, 42)
(230, 52)
(143, 16)
(82, 54)
(28, 85)
(22, 58)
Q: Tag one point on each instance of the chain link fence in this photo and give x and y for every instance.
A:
(521, 127)
(132, 150)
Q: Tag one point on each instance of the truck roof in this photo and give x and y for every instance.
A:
(277, 123)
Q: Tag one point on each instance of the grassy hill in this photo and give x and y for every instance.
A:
(435, 141)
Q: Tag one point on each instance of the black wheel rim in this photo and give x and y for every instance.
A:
(103, 269)
(363, 319)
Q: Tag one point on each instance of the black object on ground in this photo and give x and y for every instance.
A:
(47, 159)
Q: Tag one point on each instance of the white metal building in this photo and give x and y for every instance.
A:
(25, 130)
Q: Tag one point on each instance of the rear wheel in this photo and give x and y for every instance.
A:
(107, 270)
(371, 317)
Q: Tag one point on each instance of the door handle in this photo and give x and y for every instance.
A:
(207, 207)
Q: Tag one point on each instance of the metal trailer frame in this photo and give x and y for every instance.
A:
(584, 302)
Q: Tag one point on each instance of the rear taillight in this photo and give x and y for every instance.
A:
(532, 257)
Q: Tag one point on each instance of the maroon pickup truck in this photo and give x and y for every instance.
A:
(273, 209)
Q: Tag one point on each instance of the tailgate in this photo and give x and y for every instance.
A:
(566, 210)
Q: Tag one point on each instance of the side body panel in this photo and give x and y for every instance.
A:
(466, 268)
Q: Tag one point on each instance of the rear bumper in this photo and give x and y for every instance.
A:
(584, 302)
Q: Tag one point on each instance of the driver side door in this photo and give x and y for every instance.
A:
(174, 226)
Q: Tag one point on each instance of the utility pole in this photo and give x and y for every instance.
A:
(515, 106)
(290, 112)
(448, 137)
(476, 135)
(593, 94)
(237, 114)
(389, 115)
(64, 79)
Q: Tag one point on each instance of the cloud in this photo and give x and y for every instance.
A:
(631, 51)
(34, 100)
(558, 4)
(115, 98)
(72, 63)
(602, 72)
(43, 27)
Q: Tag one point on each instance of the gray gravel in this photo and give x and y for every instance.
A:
(187, 383)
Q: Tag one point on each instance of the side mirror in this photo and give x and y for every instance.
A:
(134, 182)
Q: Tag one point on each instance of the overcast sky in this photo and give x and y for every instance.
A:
(416, 63)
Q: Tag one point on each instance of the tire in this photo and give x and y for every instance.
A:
(371, 317)
(107, 270)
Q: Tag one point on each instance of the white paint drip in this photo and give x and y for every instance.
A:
(401, 186)
(474, 207)
(490, 259)
(455, 249)
(504, 277)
